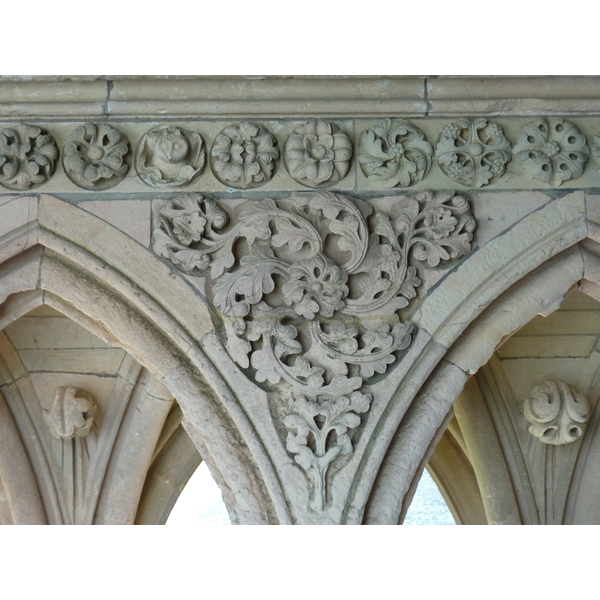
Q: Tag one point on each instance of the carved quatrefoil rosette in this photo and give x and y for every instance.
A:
(552, 150)
(309, 297)
(473, 152)
(72, 413)
(27, 156)
(557, 413)
(395, 152)
(170, 157)
(317, 154)
(244, 155)
(94, 156)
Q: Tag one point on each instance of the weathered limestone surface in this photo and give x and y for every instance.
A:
(315, 285)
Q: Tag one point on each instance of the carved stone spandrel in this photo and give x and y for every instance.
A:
(169, 156)
(244, 156)
(28, 156)
(310, 304)
(557, 413)
(317, 153)
(95, 156)
(72, 413)
(552, 150)
(473, 152)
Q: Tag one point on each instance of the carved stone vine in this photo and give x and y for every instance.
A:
(244, 155)
(94, 156)
(72, 413)
(473, 152)
(552, 150)
(557, 413)
(308, 288)
(395, 152)
(27, 156)
(318, 153)
(169, 156)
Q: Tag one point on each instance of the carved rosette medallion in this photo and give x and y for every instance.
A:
(27, 156)
(552, 150)
(473, 152)
(557, 413)
(394, 152)
(94, 156)
(317, 154)
(308, 290)
(72, 413)
(243, 156)
(170, 157)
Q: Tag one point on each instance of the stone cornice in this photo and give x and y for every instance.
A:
(123, 97)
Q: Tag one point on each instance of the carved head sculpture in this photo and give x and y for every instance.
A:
(557, 413)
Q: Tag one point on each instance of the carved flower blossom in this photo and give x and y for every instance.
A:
(473, 151)
(72, 413)
(244, 155)
(94, 156)
(27, 155)
(318, 153)
(552, 150)
(395, 152)
(316, 285)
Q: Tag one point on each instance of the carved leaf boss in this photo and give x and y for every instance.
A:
(308, 289)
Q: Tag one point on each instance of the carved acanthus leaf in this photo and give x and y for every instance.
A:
(395, 152)
(557, 412)
(72, 413)
(309, 297)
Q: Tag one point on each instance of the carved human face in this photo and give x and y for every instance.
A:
(172, 146)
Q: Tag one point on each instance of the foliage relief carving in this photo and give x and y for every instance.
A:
(244, 155)
(317, 153)
(311, 300)
(72, 413)
(27, 156)
(395, 152)
(557, 413)
(473, 152)
(94, 156)
(552, 150)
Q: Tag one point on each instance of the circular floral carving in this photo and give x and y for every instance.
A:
(27, 156)
(244, 155)
(395, 152)
(473, 152)
(318, 154)
(94, 156)
(552, 150)
(316, 286)
(170, 156)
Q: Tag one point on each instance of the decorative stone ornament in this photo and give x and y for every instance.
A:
(311, 303)
(27, 156)
(72, 413)
(243, 156)
(94, 156)
(169, 156)
(552, 150)
(473, 152)
(557, 413)
(395, 152)
(317, 154)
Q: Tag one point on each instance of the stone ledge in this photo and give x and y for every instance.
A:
(238, 97)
